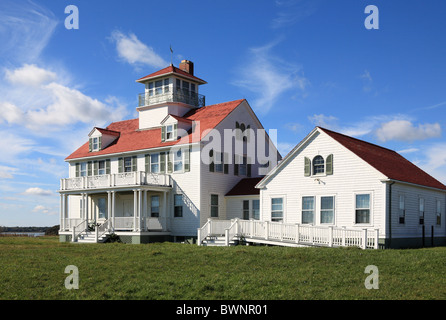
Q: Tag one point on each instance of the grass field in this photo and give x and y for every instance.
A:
(33, 268)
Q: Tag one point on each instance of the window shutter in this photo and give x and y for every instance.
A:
(162, 162)
(187, 159)
(175, 127)
(329, 165)
(100, 142)
(147, 162)
(89, 168)
(163, 133)
(307, 169)
(90, 145)
(169, 162)
(225, 165)
(211, 158)
(95, 168)
(134, 162)
(107, 166)
(248, 168)
(121, 165)
(78, 169)
(235, 165)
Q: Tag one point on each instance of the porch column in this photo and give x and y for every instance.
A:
(109, 207)
(62, 212)
(113, 209)
(135, 208)
(165, 210)
(145, 210)
(86, 207)
(139, 209)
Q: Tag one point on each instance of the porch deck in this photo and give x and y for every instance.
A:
(283, 234)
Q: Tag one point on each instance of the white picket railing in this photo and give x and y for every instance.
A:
(277, 232)
(116, 179)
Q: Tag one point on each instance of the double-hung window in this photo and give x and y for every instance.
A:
(256, 209)
(421, 210)
(177, 161)
(218, 161)
(246, 209)
(277, 209)
(214, 205)
(243, 166)
(169, 132)
(362, 208)
(178, 206)
(128, 164)
(155, 206)
(402, 211)
(95, 143)
(101, 167)
(155, 162)
(307, 210)
(438, 213)
(327, 210)
(83, 169)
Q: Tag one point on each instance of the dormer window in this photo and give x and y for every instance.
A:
(95, 143)
(169, 132)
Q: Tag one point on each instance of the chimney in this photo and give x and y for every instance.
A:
(187, 66)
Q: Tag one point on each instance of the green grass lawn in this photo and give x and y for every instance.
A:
(33, 268)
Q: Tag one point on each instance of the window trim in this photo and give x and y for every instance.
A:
(421, 213)
(214, 205)
(320, 165)
(302, 209)
(370, 193)
(438, 212)
(333, 209)
(283, 198)
(180, 206)
(402, 209)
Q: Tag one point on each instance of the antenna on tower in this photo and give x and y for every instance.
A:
(171, 55)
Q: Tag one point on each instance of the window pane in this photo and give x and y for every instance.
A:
(307, 203)
(246, 209)
(214, 199)
(318, 165)
(362, 216)
(128, 164)
(327, 203)
(363, 201)
(102, 207)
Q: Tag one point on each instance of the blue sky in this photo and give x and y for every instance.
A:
(299, 63)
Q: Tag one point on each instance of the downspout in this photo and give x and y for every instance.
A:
(390, 213)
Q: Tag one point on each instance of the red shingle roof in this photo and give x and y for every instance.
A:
(386, 161)
(133, 139)
(171, 70)
(245, 187)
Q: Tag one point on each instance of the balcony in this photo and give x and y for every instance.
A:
(190, 98)
(138, 178)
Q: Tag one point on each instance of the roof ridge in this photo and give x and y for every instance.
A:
(357, 139)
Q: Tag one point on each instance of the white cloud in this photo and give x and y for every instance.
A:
(133, 51)
(292, 11)
(30, 74)
(268, 77)
(284, 148)
(25, 29)
(36, 191)
(404, 130)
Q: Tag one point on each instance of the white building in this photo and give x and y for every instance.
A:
(164, 174)
(332, 180)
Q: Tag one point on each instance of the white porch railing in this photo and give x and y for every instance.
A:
(283, 233)
(115, 180)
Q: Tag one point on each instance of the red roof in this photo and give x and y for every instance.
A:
(133, 139)
(171, 70)
(386, 161)
(246, 186)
